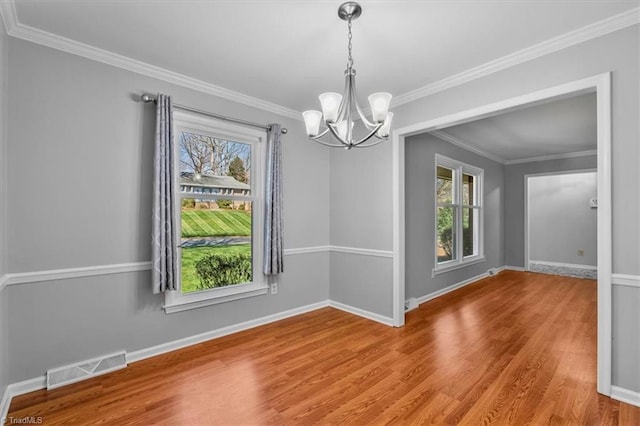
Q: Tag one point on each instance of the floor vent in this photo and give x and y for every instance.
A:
(411, 304)
(68, 374)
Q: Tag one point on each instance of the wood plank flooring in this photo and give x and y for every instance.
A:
(518, 348)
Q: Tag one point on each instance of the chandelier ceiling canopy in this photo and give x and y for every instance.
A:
(339, 110)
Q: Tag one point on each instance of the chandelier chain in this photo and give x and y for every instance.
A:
(350, 59)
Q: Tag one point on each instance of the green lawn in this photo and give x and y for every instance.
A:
(190, 255)
(215, 223)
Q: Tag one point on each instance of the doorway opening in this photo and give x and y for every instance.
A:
(601, 86)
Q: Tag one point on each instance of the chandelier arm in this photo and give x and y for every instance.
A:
(369, 136)
(330, 145)
(344, 102)
(368, 124)
(337, 135)
(374, 143)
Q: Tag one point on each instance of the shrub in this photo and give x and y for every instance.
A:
(224, 204)
(188, 203)
(219, 270)
(446, 239)
(241, 207)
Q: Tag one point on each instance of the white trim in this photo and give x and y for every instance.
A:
(17, 389)
(458, 168)
(456, 265)
(440, 134)
(565, 265)
(589, 32)
(4, 406)
(513, 268)
(306, 250)
(9, 15)
(70, 273)
(602, 85)
(213, 297)
(553, 157)
(625, 395)
(361, 251)
(597, 29)
(462, 144)
(40, 382)
(90, 271)
(452, 287)
(163, 348)
(626, 280)
(398, 217)
(16, 29)
(362, 313)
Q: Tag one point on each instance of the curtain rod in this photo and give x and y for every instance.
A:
(147, 98)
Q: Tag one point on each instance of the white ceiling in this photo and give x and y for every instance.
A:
(287, 52)
(551, 129)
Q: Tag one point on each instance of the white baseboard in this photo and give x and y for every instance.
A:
(625, 395)
(362, 313)
(453, 287)
(513, 268)
(38, 383)
(20, 388)
(626, 280)
(213, 334)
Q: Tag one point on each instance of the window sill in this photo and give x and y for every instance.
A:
(453, 267)
(214, 297)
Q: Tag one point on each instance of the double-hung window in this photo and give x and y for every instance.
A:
(218, 186)
(459, 214)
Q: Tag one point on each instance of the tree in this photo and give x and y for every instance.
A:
(237, 170)
(207, 155)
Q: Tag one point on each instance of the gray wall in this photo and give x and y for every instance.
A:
(514, 199)
(80, 195)
(361, 217)
(4, 330)
(561, 222)
(420, 151)
(616, 52)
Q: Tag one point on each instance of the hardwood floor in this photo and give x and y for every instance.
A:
(517, 348)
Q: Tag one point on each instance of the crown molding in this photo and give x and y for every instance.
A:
(9, 15)
(15, 29)
(552, 157)
(589, 32)
(462, 144)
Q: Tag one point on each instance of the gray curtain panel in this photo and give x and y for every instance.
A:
(164, 244)
(273, 240)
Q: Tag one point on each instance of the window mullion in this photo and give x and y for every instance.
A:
(458, 224)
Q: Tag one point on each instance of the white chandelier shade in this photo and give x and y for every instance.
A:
(339, 111)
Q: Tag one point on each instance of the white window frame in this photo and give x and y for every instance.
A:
(459, 168)
(176, 301)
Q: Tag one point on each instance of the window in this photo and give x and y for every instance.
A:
(219, 193)
(458, 214)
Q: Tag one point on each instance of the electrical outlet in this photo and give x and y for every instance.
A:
(580, 252)
(273, 288)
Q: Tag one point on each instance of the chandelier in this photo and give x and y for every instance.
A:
(338, 111)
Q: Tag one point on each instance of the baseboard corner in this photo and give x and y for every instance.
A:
(625, 395)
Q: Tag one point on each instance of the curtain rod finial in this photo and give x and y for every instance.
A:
(146, 98)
